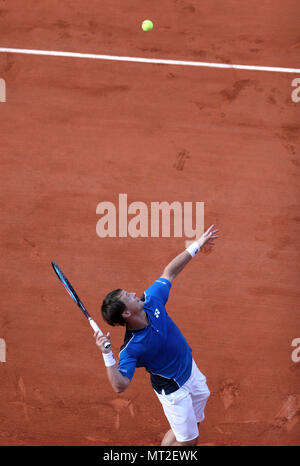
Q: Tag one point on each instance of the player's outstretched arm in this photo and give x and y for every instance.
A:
(180, 261)
(207, 237)
(118, 382)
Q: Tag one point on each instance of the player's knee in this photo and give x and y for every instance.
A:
(191, 443)
(194, 441)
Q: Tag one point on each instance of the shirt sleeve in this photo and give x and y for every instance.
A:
(160, 290)
(127, 364)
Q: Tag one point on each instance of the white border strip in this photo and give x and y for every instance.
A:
(150, 60)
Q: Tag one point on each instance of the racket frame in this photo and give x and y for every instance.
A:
(77, 300)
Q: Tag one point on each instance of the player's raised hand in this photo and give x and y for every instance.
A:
(207, 237)
(100, 340)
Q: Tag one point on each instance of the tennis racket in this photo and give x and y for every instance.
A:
(75, 298)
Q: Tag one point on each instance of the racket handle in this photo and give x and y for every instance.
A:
(97, 329)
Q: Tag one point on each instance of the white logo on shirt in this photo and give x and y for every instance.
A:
(156, 313)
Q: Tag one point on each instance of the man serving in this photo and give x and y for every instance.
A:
(152, 340)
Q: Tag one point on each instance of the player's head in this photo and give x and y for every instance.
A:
(119, 305)
(113, 307)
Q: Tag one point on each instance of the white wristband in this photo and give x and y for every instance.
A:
(193, 248)
(109, 359)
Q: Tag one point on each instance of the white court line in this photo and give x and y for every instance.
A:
(151, 60)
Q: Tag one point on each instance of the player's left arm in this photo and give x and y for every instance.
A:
(179, 262)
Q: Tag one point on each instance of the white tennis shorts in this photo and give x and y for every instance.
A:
(184, 408)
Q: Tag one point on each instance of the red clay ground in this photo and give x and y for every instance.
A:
(77, 132)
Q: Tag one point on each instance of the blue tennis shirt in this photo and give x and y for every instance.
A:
(160, 347)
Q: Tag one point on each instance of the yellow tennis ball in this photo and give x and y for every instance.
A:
(147, 25)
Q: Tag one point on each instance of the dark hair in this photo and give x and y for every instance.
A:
(112, 308)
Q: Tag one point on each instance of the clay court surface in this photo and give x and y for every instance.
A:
(76, 132)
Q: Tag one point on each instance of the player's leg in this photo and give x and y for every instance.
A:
(199, 392)
(169, 440)
(178, 408)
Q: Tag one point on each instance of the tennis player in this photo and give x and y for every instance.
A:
(152, 340)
